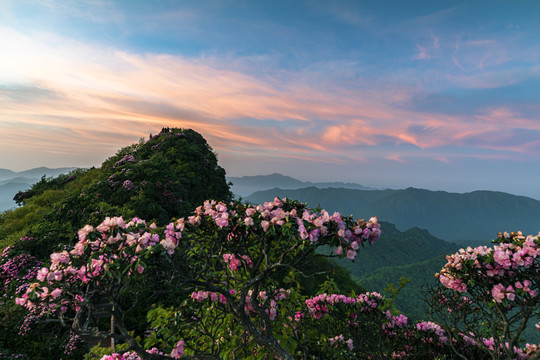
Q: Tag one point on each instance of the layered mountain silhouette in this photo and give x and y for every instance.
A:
(470, 218)
(247, 185)
(12, 182)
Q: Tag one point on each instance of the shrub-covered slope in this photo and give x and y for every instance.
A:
(160, 179)
(164, 177)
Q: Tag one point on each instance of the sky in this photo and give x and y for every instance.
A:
(442, 95)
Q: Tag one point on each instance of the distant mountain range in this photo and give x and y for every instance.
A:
(474, 217)
(247, 185)
(12, 182)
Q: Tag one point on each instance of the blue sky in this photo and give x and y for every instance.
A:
(443, 95)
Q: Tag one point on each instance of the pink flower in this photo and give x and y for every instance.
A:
(178, 350)
(303, 232)
(42, 274)
(234, 263)
(351, 254)
(85, 231)
(265, 224)
(222, 220)
(498, 292)
(56, 293)
(168, 245)
(22, 300)
(510, 295)
(57, 258)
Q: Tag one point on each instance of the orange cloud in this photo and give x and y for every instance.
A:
(63, 97)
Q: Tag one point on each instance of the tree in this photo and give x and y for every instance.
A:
(230, 254)
(488, 295)
(164, 177)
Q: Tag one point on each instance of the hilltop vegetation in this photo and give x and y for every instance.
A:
(165, 177)
(161, 179)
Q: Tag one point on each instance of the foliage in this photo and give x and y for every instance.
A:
(164, 177)
(229, 254)
(230, 280)
(487, 295)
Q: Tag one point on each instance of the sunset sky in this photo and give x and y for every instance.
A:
(443, 95)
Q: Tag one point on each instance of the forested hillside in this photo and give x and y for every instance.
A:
(414, 255)
(396, 248)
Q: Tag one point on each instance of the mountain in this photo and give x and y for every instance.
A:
(397, 248)
(247, 185)
(410, 300)
(45, 171)
(12, 182)
(7, 174)
(18, 179)
(471, 218)
(413, 254)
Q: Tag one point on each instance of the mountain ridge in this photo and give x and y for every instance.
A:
(246, 185)
(11, 182)
(459, 217)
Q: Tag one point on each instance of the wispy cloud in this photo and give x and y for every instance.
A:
(75, 98)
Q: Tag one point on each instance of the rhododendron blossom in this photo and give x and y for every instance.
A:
(236, 244)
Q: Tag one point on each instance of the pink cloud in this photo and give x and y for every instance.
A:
(97, 100)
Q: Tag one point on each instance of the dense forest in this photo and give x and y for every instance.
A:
(150, 257)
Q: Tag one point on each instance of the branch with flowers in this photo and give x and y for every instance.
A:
(229, 253)
(488, 295)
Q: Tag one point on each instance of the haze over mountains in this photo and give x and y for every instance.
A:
(428, 226)
(474, 217)
(12, 182)
(247, 185)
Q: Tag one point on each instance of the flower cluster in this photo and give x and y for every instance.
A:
(125, 159)
(262, 296)
(341, 339)
(348, 236)
(235, 263)
(132, 355)
(128, 185)
(504, 266)
(112, 246)
(429, 328)
(17, 272)
(318, 305)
